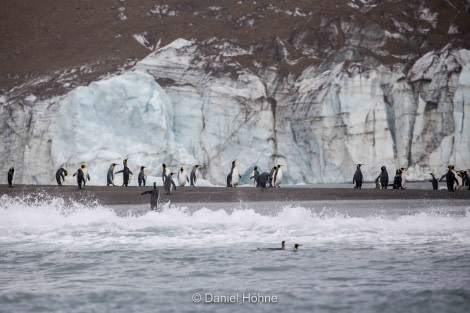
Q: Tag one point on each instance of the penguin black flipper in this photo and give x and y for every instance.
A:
(121, 171)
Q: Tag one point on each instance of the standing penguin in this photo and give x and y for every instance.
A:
(110, 175)
(358, 177)
(166, 172)
(465, 179)
(403, 177)
(397, 180)
(254, 176)
(10, 178)
(60, 176)
(435, 183)
(154, 196)
(142, 178)
(125, 173)
(450, 178)
(383, 177)
(82, 176)
(194, 173)
(271, 176)
(169, 183)
(182, 177)
(263, 180)
(277, 177)
(233, 176)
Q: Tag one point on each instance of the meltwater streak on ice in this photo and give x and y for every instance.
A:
(56, 222)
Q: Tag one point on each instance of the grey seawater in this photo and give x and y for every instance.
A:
(356, 256)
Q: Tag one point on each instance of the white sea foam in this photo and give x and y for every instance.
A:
(59, 223)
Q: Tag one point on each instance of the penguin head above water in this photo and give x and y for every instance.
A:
(296, 247)
(359, 165)
(383, 168)
(83, 166)
(142, 168)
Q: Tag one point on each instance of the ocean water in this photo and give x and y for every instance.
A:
(356, 256)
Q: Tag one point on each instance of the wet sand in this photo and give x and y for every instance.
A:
(132, 195)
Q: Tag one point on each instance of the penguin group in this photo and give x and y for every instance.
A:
(455, 180)
(267, 180)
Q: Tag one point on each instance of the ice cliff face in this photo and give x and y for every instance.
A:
(319, 125)
(337, 90)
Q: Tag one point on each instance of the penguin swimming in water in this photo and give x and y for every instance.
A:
(283, 247)
(169, 183)
(154, 196)
(358, 177)
(10, 176)
(166, 172)
(82, 176)
(182, 177)
(277, 176)
(126, 172)
(296, 247)
(142, 178)
(254, 176)
(193, 177)
(435, 183)
(383, 177)
(233, 176)
(60, 175)
(110, 175)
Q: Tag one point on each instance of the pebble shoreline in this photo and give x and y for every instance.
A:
(131, 195)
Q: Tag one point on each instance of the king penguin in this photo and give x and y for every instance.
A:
(283, 247)
(154, 196)
(435, 183)
(165, 172)
(233, 176)
(10, 178)
(126, 172)
(110, 176)
(169, 184)
(357, 179)
(383, 177)
(182, 177)
(60, 176)
(82, 176)
(403, 177)
(194, 173)
(296, 247)
(142, 178)
(254, 176)
(277, 176)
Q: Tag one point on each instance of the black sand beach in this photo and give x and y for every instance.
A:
(131, 195)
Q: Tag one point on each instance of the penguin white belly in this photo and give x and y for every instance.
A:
(182, 178)
(278, 180)
(235, 176)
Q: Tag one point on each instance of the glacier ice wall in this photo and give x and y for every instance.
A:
(175, 108)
